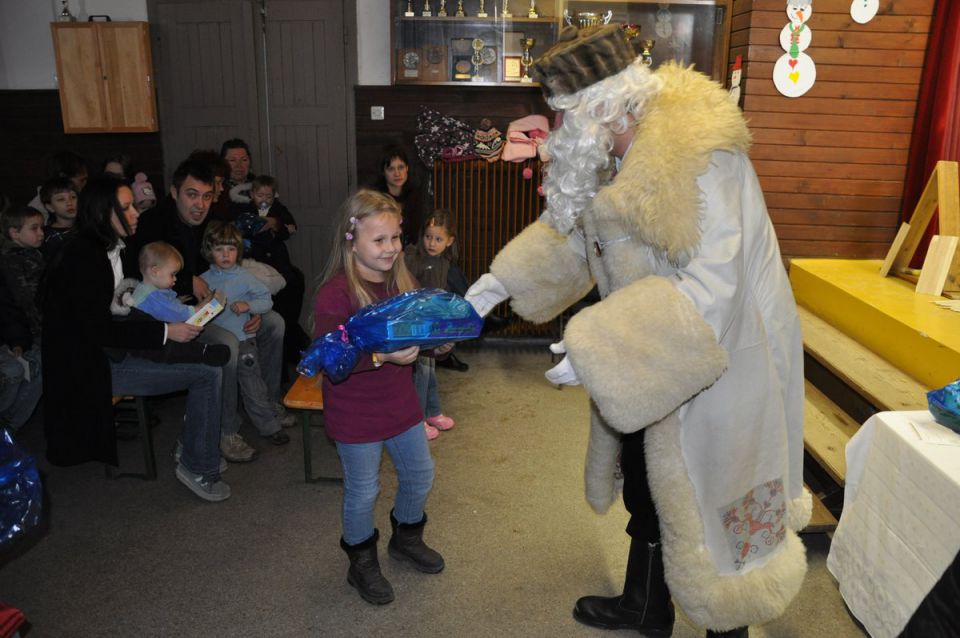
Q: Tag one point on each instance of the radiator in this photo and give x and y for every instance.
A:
(492, 203)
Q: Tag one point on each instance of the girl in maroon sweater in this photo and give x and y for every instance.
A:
(377, 405)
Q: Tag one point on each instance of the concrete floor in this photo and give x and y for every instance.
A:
(135, 558)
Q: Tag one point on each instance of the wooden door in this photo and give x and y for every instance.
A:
(207, 77)
(308, 116)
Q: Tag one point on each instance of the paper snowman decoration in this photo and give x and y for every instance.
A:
(863, 11)
(794, 73)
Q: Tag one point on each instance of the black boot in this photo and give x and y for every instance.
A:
(407, 544)
(364, 573)
(739, 632)
(645, 603)
(453, 363)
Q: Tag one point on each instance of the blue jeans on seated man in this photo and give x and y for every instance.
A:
(361, 480)
(201, 427)
(270, 346)
(19, 396)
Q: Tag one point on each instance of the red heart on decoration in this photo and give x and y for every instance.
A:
(792, 63)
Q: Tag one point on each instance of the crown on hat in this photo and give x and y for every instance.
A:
(582, 57)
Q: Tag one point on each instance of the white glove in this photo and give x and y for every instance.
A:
(486, 293)
(562, 373)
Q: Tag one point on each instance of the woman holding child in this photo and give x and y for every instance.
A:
(86, 352)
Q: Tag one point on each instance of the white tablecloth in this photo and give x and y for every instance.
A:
(900, 527)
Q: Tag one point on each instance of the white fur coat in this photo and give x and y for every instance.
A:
(696, 339)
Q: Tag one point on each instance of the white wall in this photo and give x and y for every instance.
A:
(373, 42)
(26, 50)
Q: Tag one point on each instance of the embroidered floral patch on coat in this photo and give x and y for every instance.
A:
(754, 523)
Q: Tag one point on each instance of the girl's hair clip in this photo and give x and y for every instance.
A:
(348, 236)
(353, 221)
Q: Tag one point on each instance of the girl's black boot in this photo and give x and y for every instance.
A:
(407, 544)
(364, 573)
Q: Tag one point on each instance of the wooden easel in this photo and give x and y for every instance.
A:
(941, 267)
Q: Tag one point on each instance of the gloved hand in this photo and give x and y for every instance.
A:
(562, 373)
(486, 293)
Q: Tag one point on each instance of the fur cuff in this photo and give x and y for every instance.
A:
(643, 352)
(602, 480)
(543, 276)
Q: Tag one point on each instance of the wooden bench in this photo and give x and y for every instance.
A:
(146, 441)
(306, 395)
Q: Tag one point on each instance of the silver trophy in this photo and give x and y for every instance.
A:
(586, 19)
(482, 13)
(427, 11)
(442, 11)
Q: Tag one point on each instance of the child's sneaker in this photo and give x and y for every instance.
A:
(178, 452)
(432, 432)
(235, 449)
(440, 422)
(207, 490)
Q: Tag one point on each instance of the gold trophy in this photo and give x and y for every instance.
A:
(442, 12)
(532, 13)
(409, 12)
(647, 57)
(506, 9)
(526, 59)
(482, 13)
(477, 45)
(460, 12)
(427, 11)
(631, 32)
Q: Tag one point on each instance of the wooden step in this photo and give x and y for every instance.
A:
(822, 520)
(826, 431)
(871, 376)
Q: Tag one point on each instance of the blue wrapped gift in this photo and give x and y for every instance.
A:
(944, 404)
(20, 493)
(427, 317)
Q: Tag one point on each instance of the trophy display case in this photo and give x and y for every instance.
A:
(693, 32)
(485, 42)
(493, 42)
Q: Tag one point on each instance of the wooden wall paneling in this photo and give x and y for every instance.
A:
(32, 130)
(832, 162)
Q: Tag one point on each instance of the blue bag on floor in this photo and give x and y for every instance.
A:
(20, 493)
(427, 317)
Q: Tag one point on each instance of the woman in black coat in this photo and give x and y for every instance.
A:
(84, 349)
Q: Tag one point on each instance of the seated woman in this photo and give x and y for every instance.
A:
(85, 351)
(394, 179)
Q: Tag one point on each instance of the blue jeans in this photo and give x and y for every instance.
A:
(270, 345)
(361, 481)
(201, 427)
(19, 397)
(425, 380)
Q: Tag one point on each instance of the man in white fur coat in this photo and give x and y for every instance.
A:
(693, 357)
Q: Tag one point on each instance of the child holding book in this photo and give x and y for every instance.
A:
(376, 407)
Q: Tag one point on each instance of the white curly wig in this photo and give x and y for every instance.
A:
(579, 151)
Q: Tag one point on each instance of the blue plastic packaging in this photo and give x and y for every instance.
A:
(944, 405)
(20, 493)
(427, 317)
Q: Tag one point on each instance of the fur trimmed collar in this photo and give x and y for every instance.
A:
(655, 193)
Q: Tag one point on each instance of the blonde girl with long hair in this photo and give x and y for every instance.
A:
(376, 406)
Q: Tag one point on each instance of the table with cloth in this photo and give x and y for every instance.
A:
(900, 527)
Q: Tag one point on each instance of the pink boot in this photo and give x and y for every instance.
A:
(440, 422)
(432, 432)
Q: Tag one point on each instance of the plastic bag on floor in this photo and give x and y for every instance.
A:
(20, 492)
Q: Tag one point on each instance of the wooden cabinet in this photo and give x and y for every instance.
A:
(105, 74)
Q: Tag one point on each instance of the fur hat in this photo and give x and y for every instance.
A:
(142, 189)
(582, 57)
